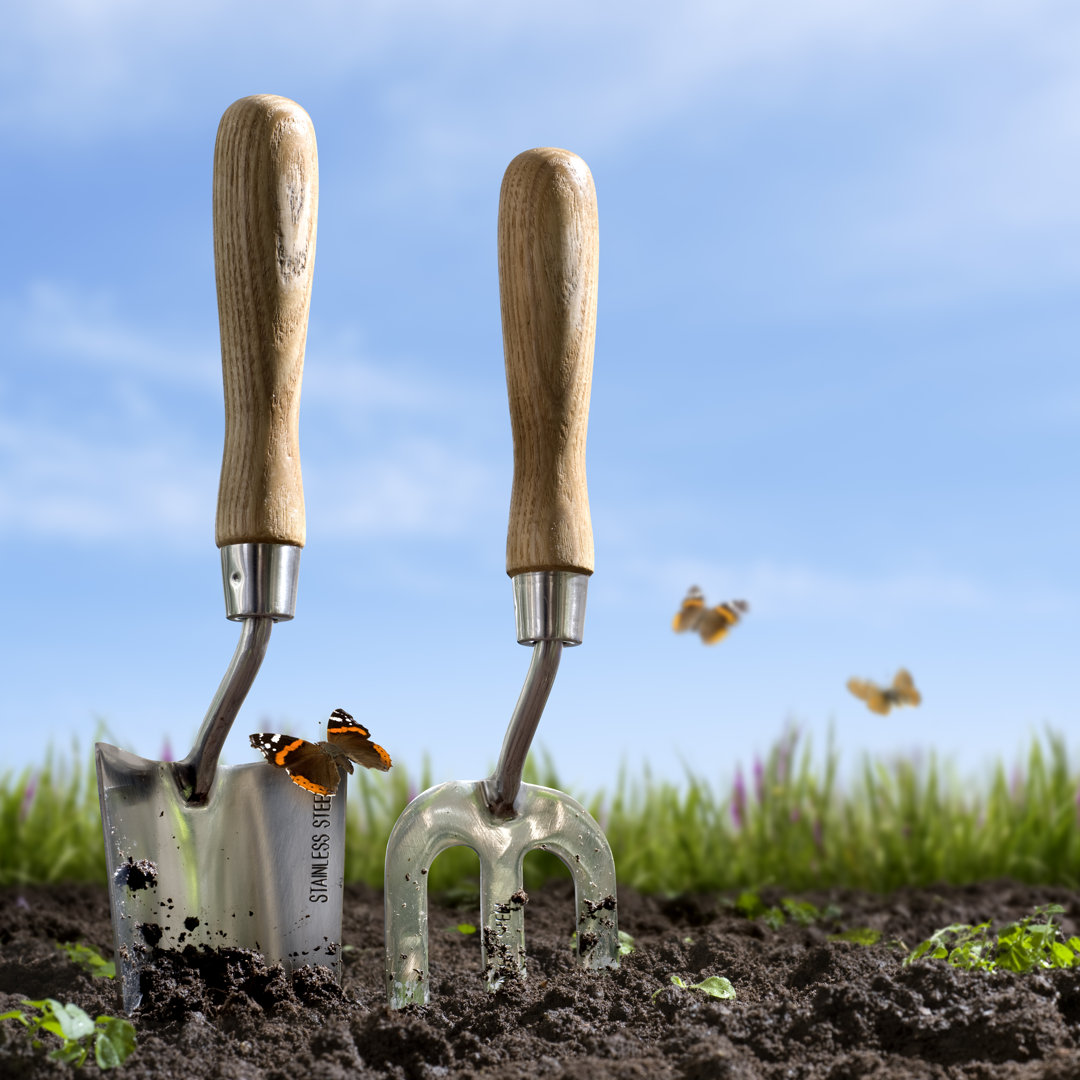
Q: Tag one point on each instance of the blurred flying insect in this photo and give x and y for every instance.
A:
(881, 700)
(711, 623)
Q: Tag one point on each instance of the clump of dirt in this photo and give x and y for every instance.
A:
(806, 1006)
(137, 875)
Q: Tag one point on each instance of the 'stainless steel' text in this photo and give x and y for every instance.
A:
(320, 850)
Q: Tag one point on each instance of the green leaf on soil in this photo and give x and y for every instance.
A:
(858, 935)
(114, 1042)
(89, 959)
(774, 918)
(114, 1039)
(714, 985)
(74, 1023)
(465, 928)
(748, 903)
(801, 911)
(1031, 942)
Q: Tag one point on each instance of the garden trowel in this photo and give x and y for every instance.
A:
(548, 252)
(240, 857)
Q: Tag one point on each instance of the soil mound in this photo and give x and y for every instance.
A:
(806, 1006)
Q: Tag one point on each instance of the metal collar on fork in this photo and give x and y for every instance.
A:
(549, 605)
(549, 609)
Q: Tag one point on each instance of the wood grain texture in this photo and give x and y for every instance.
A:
(266, 198)
(548, 262)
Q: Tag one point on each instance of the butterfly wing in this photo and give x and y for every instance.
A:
(690, 612)
(715, 623)
(355, 740)
(308, 766)
(873, 695)
(903, 689)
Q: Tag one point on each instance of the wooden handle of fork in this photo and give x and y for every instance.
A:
(548, 261)
(266, 198)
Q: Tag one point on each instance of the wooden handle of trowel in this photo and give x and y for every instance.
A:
(548, 261)
(266, 201)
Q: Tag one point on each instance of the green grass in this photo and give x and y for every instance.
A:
(786, 822)
(51, 822)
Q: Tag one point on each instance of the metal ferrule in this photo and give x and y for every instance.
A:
(549, 605)
(260, 580)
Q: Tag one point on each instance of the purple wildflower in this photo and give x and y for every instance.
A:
(783, 757)
(28, 797)
(738, 799)
(759, 780)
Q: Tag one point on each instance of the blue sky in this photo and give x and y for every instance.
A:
(835, 373)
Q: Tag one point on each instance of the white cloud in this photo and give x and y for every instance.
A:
(982, 202)
(419, 488)
(59, 483)
(161, 483)
(789, 592)
(979, 186)
(61, 323)
(58, 323)
(623, 64)
(340, 375)
(135, 463)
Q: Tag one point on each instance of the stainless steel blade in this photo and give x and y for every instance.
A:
(259, 865)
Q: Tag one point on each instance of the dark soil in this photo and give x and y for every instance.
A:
(806, 1007)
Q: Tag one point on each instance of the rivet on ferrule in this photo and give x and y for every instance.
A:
(260, 580)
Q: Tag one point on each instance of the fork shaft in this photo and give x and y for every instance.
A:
(501, 788)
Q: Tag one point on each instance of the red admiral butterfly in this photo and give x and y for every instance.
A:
(881, 699)
(711, 623)
(317, 766)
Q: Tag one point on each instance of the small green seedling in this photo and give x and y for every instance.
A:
(715, 986)
(749, 904)
(89, 959)
(858, 935)
(465, 928)
(802, 912)
(774, 918)
(1021, 946)
(113, 1038)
